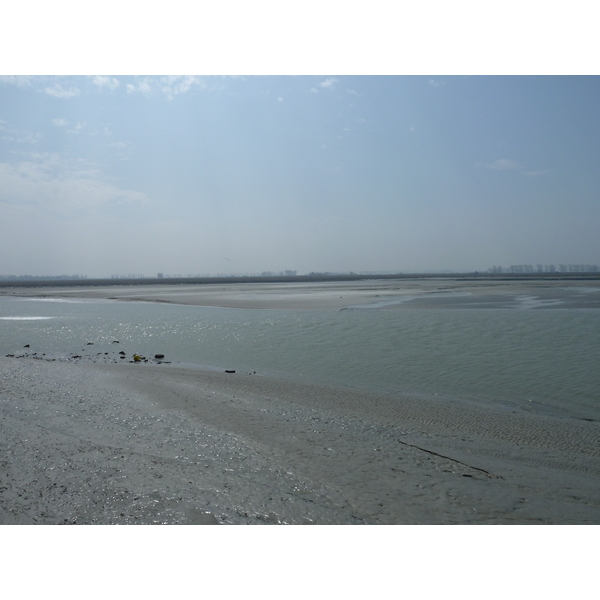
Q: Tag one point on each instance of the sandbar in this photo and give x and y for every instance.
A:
(388, 294)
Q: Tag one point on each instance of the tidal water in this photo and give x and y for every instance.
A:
(538, 360)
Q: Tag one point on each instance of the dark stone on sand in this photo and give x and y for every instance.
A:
(229, 371)
(90, 343)
(115, 341)
(159, 356)
(123, 353)
(26, 346)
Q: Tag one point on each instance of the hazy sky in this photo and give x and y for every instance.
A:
(107, 175)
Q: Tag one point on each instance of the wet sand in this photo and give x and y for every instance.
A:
(419, 293)
(139, 443)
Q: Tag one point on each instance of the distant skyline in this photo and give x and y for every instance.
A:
(106, 175)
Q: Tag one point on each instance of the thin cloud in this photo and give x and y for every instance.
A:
(78, 127)
(59, 122)
(314, 91)
(10, 134)
(58, 186)
(502, 164)
(170, 86)
(142, 87)
(68, 87)
(435, 83)
(104, 81)
(328, 84)
(173, 85)
(506, 164)
(58, 91)
(27, 138)
(120, 149)
(51, 86)
(18, 80)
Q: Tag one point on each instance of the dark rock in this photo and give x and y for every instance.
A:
(115, 341)
(123, 353)
(229, 371)
(159, 356)
(26, 346)
(90, 343)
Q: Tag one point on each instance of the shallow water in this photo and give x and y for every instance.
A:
(540, 360)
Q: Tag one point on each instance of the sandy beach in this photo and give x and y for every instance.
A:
(110, 444)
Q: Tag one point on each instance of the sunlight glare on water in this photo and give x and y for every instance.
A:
(536, 356)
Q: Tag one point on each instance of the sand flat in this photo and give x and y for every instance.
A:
(165, 444)
(400, 294)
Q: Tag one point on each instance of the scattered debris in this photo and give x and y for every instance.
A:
(106, 357)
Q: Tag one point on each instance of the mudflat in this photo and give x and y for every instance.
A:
(109, 444)
(390, 294)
